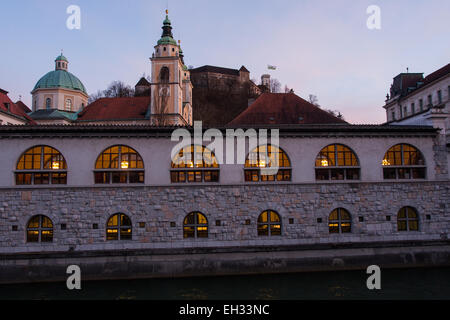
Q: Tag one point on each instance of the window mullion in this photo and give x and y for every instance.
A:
(42, 159)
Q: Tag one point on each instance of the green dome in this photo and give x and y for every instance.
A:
(167, 40)
(61, 58)
(60, 79)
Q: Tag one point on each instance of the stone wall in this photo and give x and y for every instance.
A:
(227, 208)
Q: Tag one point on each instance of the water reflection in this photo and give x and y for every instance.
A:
(337, 291)
(193, 294)
(266, 294)
(426, 283)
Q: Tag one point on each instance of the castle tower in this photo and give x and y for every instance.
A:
(171, 87)
(265, 81)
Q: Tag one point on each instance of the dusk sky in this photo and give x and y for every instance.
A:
(319, 47)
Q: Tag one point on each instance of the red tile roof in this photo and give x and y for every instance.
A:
(13, 108)
(283, 108)
(23, 106)
(437, 74)
(116, 109)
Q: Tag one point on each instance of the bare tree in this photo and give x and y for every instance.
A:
(335, 113)
(275, 85)
(313, 100)
(116, 89)
(288, 90)
(95, 96)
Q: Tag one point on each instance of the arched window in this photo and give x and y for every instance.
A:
(407, 219)
(339, 221)
(194, 164)
(195, 225)
(261, 164)
(41, 165)
(68, 104)
(118, 227)
(337, 162)
(403, 161)
(48, 103)
(164, 75)
(119, 164)
(40, 229)
(269, 224)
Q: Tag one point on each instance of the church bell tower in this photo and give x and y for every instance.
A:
(171, 87)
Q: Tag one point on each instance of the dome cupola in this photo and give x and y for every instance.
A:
(59, 90)
(61, 62)
(60, 78)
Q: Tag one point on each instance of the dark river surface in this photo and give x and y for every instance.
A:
(417, 283)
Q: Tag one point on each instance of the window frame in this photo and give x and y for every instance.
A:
(119, 227)
(339, 221)
(182, 173)
(269, 223)
(123, 174)
(46, 174)
(164, 74)
(48, 103)
(335, 169)
(68, 106)
(39, 229)
(407, 220)
(253, 170)
(402, 170)
(195, 226)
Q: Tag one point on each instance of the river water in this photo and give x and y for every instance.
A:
(417, 283)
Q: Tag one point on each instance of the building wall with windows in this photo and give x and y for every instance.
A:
(79, 215)
(81, 155)
(411, 104)
(61, 99)
(155, 208)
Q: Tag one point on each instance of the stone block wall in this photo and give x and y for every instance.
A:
(227, 208)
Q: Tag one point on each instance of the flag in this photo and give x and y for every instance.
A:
(271, 67)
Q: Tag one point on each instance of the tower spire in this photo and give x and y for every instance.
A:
(167, 36)
(167, 27)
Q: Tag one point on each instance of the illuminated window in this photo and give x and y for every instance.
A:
(41, 165)
(403, 161)
(407, 219)
(339, 221)
(269, 224)
(337, 162)
(119, 164)
(40, 229)
(118, 227)
(267, 163)
(194, 164)
(195, 225)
